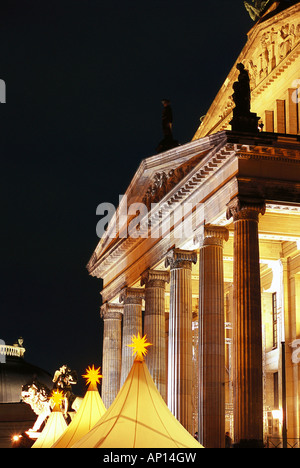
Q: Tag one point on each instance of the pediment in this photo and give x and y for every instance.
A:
(158, 174)
(160, 183)
(273, 46)
(154, 179)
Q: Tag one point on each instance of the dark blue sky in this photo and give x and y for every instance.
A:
(84, 82)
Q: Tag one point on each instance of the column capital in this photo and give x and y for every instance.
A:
(155, 278)
(132, 296)
(245, 208)
(211, 235)
(178, 258)
(111, 311)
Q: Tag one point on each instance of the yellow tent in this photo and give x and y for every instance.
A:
(138, 417)
(90, 411)
(54, 427)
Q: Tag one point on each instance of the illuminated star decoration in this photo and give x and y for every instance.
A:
(93, 376)
(57, 397)
(139, 346)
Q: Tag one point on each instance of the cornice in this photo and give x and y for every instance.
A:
(274, 151)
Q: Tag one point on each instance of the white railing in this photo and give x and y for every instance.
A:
(7, 350)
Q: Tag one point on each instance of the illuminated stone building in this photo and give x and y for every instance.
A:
(203, 256)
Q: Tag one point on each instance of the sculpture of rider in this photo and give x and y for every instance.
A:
(63, 380)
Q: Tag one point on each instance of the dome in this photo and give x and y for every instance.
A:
(16, 372)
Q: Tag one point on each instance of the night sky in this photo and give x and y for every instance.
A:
(84, 81)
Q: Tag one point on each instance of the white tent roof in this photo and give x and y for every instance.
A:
(138, 418)
(53, 429)
(90, 411)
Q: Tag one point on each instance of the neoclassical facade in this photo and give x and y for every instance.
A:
(203, 256)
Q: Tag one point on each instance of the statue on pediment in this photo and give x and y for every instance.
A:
(243, 119)
(242, 93)
(168, 141)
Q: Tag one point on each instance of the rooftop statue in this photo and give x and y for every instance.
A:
(243, 119)
(168, 141)
(242, 94)
(256, 7)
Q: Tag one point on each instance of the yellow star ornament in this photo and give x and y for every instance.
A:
(92, 376)
(139, 346)
(57, 398)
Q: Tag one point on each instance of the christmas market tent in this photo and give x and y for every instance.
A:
(54, 427)
(138, 418)
(90, 411)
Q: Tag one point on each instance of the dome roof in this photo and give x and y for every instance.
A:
(16, 372)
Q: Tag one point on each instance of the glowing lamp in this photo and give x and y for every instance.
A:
(277, 414)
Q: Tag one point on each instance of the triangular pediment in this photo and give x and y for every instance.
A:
(155, 178)
(270, 57)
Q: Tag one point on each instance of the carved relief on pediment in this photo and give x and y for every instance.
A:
(275, 44)
(163, 182)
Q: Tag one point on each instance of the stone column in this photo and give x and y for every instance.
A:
(211, 338)
(132, 325)
(155, 326)
(247, 331)
(180, 335)
(111, 359)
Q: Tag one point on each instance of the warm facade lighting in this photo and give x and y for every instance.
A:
(277, 414)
